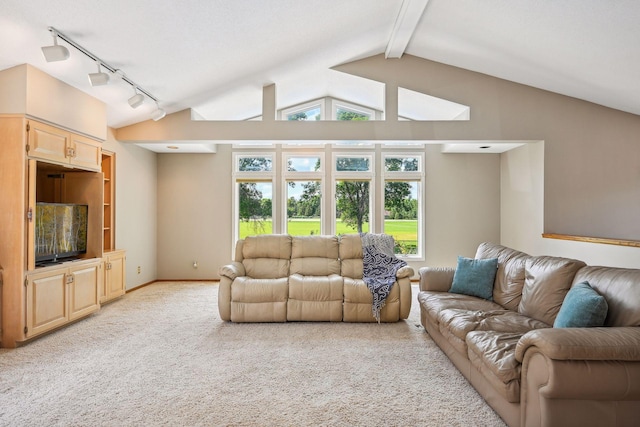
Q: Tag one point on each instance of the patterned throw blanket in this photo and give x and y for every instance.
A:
(380, 266)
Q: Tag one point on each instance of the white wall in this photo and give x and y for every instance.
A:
(195, 192)
(136, 209)
(522, 195)
(462, 204)
(194, 214)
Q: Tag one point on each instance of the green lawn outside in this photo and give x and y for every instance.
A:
(404, 231)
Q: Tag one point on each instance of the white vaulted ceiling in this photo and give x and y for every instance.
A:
(216, 55)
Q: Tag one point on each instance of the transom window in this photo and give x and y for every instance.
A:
(305, 112)
(329, 109)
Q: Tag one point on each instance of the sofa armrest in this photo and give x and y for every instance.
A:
(403, 272)
(617, 343)
(436, 278)
(233, 270)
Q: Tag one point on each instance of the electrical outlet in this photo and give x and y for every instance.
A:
(139, 269)
(195, 264)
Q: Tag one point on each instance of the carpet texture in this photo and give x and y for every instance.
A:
(161, 356)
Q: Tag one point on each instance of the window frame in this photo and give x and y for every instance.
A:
(239, 176)
(407, 176)
(328, 176)
(305, 107)
(355, 108)
(288, 176)
(369, 175)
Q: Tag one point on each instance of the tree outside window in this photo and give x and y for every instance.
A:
(352, 206)
(254, 208)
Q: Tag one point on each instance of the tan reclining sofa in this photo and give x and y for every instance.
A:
(280, 278)
(530, 372)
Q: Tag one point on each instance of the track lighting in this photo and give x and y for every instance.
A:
(117, 76)
(56, 52)
(60, 53)
(136, 100)
(158, 114)
(99, 78)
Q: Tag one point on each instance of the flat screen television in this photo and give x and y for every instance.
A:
(60, 231)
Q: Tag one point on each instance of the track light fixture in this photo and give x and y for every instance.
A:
(99, 78)
(158, 113)
(56, 52)
(137, 99)
(60, 53)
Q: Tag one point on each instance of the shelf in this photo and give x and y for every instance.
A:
(108, 170)
(617, 242)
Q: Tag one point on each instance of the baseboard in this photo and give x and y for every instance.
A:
(170, 280)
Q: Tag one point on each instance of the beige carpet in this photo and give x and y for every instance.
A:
(162, 356)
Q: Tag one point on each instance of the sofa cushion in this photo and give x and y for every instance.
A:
(266, 268)
(547, 281)
(507, 289)
(493, 354)
(358, 300)
(315, 298)
(314, 255)
(455, 324)
(350, 253)
(314, 266)
(433, 302)
(461, 322)
(475, 277)
(248, 289)
(267, 246)
(619, 286)
(315, 288)
(267, 256)
(583, 307)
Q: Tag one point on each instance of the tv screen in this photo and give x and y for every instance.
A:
(60, 231)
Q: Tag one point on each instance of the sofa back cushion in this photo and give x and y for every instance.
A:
(314, 255)
(547, 281)
(507, 288)
(620, 287)
(267, 256)
(351, 256)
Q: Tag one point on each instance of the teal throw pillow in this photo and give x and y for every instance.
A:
(583, 307)
(475, 277)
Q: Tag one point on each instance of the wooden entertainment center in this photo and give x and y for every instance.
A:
(40, 162)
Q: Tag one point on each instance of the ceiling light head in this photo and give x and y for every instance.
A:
(56, 52)
(99, 78)
(158, 114)
(137, 99)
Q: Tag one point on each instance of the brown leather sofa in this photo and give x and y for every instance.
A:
(280, 278)
(531, 373)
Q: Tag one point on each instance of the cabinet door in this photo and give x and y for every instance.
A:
(86, 153)
(116, 274)
(49, 143)
(84, 295)
(46, 301)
